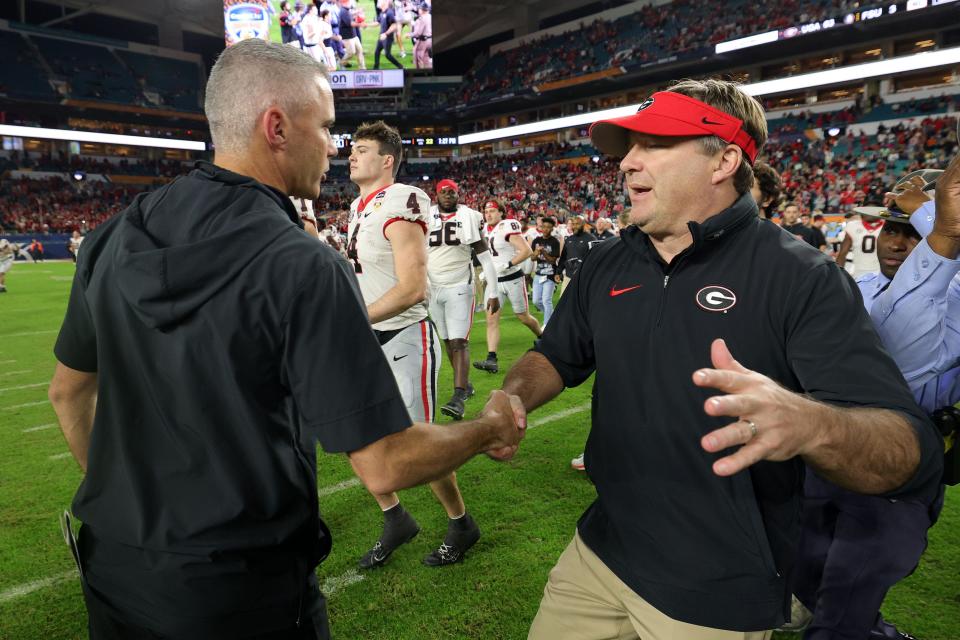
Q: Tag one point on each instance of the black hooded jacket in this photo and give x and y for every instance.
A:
(226, 343)
(703, 549)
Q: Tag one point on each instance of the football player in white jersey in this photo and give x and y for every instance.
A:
(509, 249)
(387, 245)
(530, 233)
(8, 252)
(860, 240)
(456, 230)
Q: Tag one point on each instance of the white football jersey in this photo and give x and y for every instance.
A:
(863, 247)
(531, 234)
(371, 252)
(498, 238)
(448, 245)
(304, 207)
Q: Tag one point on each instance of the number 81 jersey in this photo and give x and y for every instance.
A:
(372, 254)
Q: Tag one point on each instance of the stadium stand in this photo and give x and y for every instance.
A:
(831, 174)
(429, 96)
(176, 81)
(54, 205)
(21, 76)
(46, 68)
(876, 111)
(91, 71)
(684, 27)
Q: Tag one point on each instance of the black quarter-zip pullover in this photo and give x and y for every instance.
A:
(703, 549)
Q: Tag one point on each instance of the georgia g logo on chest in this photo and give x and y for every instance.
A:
(716, 298)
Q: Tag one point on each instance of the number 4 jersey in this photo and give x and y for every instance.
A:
(372, 254)
(449, 239)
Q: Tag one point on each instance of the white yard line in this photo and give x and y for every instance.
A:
(41, 427)
(337, 488)
(14, 373)
(25, 386)
(559, 415)
(29, 587)
(7, 361)
(26, 404)
(330, 585)
(61, 456)
(28, 333)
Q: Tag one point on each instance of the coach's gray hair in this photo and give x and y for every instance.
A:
(731, 99)
(249, 78)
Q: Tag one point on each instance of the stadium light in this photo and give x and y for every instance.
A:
(547, 125)
(103, 138)
(426, 178)
(915, 62)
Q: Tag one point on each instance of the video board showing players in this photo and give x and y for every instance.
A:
(345, 35)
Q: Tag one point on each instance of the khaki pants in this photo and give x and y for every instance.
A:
(353, 47)
(584, 600)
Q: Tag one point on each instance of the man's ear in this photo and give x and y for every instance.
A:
(727, 163)
(275, 128)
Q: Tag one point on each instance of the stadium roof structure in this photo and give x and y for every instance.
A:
(198, 16)
(457, 22)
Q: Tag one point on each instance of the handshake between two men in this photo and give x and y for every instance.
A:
(425, 452)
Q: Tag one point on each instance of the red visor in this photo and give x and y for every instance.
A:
(666, 113)
(492, 203)
(446, 183)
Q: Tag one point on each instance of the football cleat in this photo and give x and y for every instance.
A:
(487, 365)
(454, 546)
(391, 538)
(454, 408)
(470, 390)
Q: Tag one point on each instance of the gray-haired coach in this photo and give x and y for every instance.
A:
(208, 344)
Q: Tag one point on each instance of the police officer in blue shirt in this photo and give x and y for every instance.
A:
(855, 547)
(916, 316)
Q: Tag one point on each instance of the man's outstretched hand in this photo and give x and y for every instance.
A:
(781, 418)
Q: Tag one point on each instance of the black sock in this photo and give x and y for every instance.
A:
(463, 523)
(394, 514)
(491, 355)
(461, 389)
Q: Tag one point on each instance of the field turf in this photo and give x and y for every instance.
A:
(526, 508)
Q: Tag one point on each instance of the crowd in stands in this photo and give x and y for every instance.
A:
(874, 110)
(648, 35)
(831, 175)
(62, 163)
(55, 205)
(836, 173)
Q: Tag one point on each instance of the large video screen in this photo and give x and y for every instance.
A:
(348, 35)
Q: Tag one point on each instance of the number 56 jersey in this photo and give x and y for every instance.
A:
(372, 254)
(449, 240)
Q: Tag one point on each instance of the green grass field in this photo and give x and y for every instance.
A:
(368, 36)
(526, 508)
